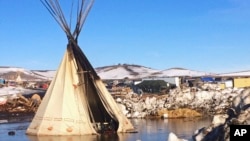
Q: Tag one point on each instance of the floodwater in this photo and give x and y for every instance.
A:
(148, 130)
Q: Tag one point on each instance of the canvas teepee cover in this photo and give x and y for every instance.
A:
(76, 99)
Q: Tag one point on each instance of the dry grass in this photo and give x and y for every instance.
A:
(179, 113)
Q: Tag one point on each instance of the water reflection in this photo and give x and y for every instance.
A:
(107, 137)
(148, 130)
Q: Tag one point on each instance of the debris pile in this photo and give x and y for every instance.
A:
(120, 91)
(238, 114)
(206, 100)
(19, 103)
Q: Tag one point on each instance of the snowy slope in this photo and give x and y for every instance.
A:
(49, 74)
(241, 73)
(124, 71)
(14, 69)
(11, 73)
(116, 72)
(179, 72)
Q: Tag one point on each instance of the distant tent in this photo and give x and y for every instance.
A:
(19, 79)
(76, 100)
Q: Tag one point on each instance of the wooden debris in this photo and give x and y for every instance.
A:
(21, 104)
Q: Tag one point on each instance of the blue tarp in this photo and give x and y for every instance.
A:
(2, 81)
(207, 79)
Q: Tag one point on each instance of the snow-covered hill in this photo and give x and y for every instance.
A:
(232, 74)
(136, 71)
(180, 72)
(124, 71)
(12, 73)
(120, 71)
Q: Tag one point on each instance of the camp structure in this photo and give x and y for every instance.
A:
(76, 102)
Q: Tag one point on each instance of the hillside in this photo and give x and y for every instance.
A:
(11, 73)
(172, 72)
(124, 71)
(120, 71)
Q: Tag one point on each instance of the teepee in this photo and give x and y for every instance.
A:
(76, 102)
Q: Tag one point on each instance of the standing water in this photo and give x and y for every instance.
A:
(148, 130)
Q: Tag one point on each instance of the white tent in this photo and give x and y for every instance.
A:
(76, 102)
(19, 79)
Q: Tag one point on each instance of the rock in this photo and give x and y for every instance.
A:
(239, 113)
(3, 100)
(119, 100)
(173, 137)
(219, 119)
(123, 108)
(165, 115)
(136, 115)
(198, 135)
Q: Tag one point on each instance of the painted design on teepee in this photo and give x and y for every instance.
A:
(76, 101)
(50, 128)
(69, 129)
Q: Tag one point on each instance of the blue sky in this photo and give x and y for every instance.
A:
(211, 35)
